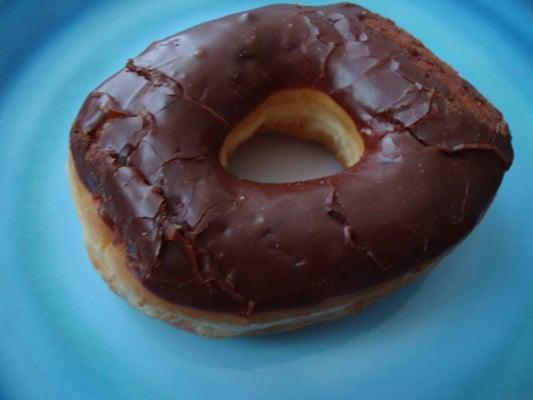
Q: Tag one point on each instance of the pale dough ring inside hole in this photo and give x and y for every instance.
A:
(303, 113)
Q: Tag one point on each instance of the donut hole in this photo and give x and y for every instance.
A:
(305, 114)
(277, 158)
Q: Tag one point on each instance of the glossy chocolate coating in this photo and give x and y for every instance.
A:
(146, 143)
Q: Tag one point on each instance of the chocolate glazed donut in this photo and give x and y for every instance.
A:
(177, 235)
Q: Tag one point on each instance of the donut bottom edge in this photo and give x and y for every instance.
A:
(109, 259)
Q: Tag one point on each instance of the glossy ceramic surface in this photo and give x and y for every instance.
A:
(463, 331)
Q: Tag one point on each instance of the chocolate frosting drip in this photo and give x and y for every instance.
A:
(146, 144)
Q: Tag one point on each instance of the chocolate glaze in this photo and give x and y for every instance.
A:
(146, 144)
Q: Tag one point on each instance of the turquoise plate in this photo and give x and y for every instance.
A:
(463, 331)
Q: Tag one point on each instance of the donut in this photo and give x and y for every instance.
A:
(173, 232)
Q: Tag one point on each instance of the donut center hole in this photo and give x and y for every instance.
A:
(277, 158)
(310, 123)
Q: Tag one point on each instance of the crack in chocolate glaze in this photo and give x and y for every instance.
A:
(414, 232)
(156, 77)
(211, 273)
(146, 143)
(159, 78)
(333, 209)
(506, 161)
(107, 109)
(465, 199)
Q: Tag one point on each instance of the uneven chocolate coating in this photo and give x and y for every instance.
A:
(146, 144)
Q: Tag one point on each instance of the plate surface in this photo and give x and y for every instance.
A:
(464, 331)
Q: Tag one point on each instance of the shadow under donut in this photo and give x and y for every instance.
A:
(253, 352)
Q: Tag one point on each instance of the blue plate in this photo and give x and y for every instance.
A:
(463, 331)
